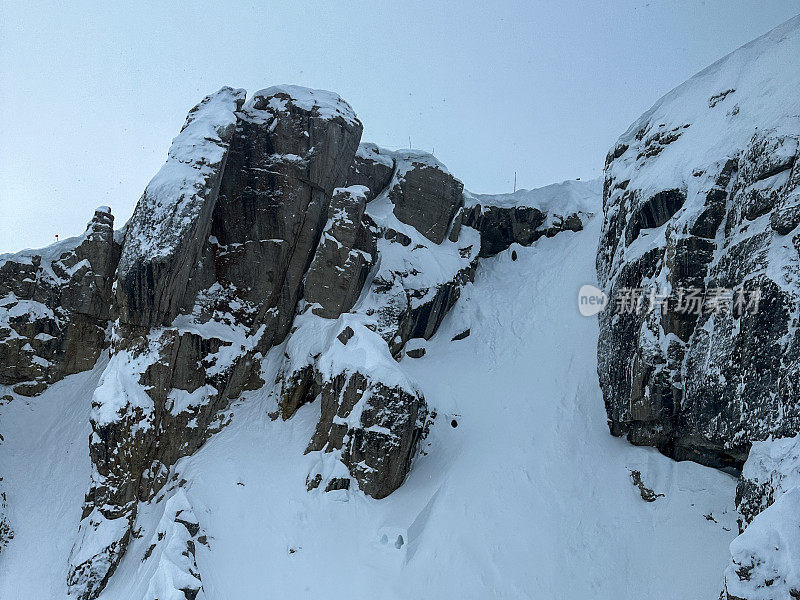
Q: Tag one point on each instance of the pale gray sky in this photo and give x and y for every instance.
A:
(92, 93)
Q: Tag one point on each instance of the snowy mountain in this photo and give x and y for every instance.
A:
(310, 367)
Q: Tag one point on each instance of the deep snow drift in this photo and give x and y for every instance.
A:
(527, 497)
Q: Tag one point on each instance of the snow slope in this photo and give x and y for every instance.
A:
(45, 468)
(528, 497)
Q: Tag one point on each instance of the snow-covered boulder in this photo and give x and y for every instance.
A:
(772, 469)
(701, 212)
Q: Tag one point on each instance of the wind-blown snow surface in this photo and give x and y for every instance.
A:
(528, 497)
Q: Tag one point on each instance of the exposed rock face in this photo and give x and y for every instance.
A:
(55, 307)
(369, 427)
(422, 191)
(248, 265)
(237, 212)
(372, 414)
(700, 198)
(702, 207)
(373, 168)
(6, 533)
(527, 215)
(424, 194)
(170, 224)
(344, 256)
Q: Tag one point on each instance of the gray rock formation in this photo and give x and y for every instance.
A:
(170, 224)
(372, 167)
(248, 265)
(373, 416)
(502, 227)
(344, 257)
(700, 202)
(424, 194)
(55, 306)
(699, 349)
(236, 214)
(378, 450)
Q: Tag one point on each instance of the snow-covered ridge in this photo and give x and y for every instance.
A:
(565, 198)
(321, 103)
(715, 112)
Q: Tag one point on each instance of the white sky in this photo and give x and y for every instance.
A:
(92, 93)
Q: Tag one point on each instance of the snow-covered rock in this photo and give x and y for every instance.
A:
(165, 235)
(55, 304)
(526, 215)
(701, 199)
(211, 271)
(772, 469)
(274, 260)
(699, 347)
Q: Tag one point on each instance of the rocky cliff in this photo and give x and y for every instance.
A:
(271, 252)
(55, 305)
(699, 351)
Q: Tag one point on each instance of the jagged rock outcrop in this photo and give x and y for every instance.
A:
(236, 214)
(55, 306)
(527, 215)
(372, 167)
(423, 193)
(172, 551)
(244, 237)
(699, 203)
(344, 257)
(373, 415)
(6, 533)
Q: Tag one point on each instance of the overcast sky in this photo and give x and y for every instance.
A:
(92, 93)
